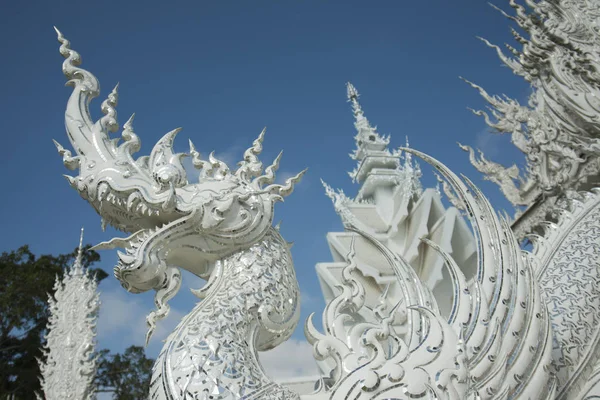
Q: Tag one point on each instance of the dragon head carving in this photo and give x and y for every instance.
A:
(173, 222)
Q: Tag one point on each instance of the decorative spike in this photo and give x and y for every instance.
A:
(80, 241)
(269, 176)
(514, 65)
(129, 124)
(70, 162)
(504, 13)
(72, 180)
(219, 169)
(197, 162)
(251, 166)
(109, 121)
(518, 37)
(59, 147)
(288, 187)
(132, 143)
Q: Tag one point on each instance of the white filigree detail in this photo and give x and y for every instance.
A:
(69, 367)
(559, 130)
(496, 341)
(565, 257)
(219, 228)
(522, 325)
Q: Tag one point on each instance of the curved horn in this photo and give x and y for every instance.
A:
(88, 139)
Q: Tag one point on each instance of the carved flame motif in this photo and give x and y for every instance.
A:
(220, 224)
(559, 130)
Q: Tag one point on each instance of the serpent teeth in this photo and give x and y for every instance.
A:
(126, 258)
(132, 199)
(103, 190)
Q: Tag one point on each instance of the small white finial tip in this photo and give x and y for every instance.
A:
(81, 239)
(351, 90)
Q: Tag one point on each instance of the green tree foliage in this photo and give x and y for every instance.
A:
(25, 282)
(126, 375)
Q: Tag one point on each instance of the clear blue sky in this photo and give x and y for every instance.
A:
(222, 71)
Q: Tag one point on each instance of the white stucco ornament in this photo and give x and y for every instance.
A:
(219, 228)
(69, 367)
(559, 129)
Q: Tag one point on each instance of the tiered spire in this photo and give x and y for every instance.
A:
(367, 139)
(70, 367)
(374, 157)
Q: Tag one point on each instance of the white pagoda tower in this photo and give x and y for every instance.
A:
(392, 207)
(69, 369)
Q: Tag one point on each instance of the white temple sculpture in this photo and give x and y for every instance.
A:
(391, 206)
(474, 322)
(559, 130)
(70, 366)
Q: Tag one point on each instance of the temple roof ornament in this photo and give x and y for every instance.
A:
(367, 139)
(391, 205)
(69, 368)
(559, 129)
(376, 164)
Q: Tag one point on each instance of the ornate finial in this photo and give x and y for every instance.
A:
(109, 121)
(81, 240)
(353, 98)
(352, 92)
(407, 156)
(77, 265)
(367, 138)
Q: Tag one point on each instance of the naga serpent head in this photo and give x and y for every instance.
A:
(172, 222)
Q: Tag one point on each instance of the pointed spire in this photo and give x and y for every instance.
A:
(78, 266)
(78, 263)
(373, 155)
(353, 98)
(407, 156)
(69, 364)
(367, 138)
